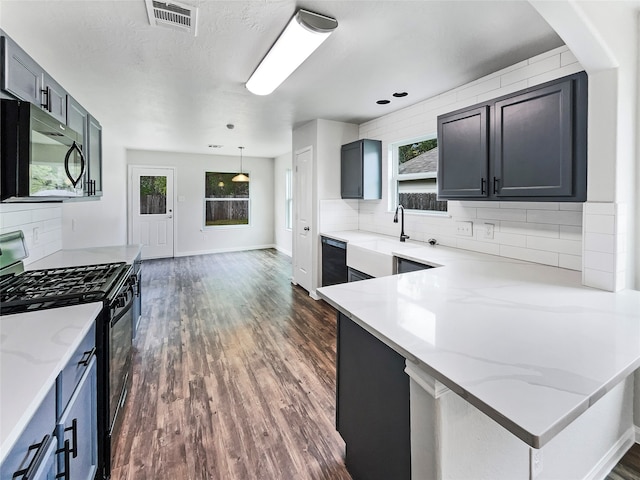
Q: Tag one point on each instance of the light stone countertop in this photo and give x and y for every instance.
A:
(34, 348)
(87, 256)
(525, 343)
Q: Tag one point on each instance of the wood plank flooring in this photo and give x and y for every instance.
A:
(233, 375)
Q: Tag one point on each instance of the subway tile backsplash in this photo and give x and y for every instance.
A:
(40, 223)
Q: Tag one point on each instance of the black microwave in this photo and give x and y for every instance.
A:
(41, 159)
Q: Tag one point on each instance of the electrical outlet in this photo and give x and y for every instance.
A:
(535, 463)
(464, 229)
(488, 231)
(36, 235)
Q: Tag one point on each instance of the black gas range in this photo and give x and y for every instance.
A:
(59, 287)
(117, 286)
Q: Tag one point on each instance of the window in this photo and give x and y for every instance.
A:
(416, 165)
(288, 212)
(226, 202)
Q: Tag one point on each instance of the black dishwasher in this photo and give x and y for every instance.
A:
(334, 262)
(404, 266)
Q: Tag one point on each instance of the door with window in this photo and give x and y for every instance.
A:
(151, 208)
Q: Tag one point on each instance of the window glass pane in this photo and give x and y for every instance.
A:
(226, 201)
(153, 195)
(227, 212)
(221, 185)
(288, 199)
(417, 171)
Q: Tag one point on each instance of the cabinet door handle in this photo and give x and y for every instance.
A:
(306, 229)
(86, 357)
(40, 449)
(47, 104)
(67, 463)
(483, 186)
(495, 185)
(74, 437)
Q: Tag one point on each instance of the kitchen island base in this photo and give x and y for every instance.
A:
(450, 438)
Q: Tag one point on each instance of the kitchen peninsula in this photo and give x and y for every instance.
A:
(523, 344)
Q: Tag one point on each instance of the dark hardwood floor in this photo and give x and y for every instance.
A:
(629, 467)
(233, 375)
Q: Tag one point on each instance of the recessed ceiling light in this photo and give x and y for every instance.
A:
(230, 126)
(215, 146)
(383, 102)
(400, 94)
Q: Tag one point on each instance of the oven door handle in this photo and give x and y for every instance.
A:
(121, 305)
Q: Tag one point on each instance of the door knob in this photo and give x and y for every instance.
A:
(306, 229)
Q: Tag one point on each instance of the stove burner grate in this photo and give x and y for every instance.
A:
(58, 287)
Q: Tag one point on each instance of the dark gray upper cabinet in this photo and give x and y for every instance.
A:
(26, 80)
(79, 119)
(54, 98)
(463, 141)
(94, 157)
(21, 75)
(361, 170)
(536, 147)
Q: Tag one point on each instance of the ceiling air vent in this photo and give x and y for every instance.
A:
(173, 15)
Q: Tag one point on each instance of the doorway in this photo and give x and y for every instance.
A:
(303, 234)
(151, 210)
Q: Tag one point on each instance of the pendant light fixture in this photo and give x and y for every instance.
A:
(241, 177)
(302, 35)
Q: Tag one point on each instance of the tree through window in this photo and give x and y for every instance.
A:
(416, 175)
(226, 202)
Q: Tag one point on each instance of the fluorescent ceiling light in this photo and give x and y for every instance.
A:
(304, 33)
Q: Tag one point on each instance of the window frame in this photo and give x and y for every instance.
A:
(288, 199)
(396, 178)
(205, 200)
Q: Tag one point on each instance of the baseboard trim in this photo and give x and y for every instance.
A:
(223, 250)
(282, 250)
(637, 432)
(613, 456)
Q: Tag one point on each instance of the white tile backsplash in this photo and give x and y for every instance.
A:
(41, 224)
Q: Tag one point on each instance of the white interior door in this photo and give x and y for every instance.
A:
(151, 207)
(303, 233)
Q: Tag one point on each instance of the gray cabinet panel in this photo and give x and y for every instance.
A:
(77, 117)
(31, 448)
(94, 156)
(54, 98)
(78, 427)
(21, 76)
(372, 405)
(462, 140)
(361, 170)
(533, 143)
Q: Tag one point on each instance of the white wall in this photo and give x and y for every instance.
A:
(604, 36)
(326, 137)
(544, 232)
(191, 237)
(283, 236)
(98, 223)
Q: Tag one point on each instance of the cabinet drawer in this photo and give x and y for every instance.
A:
(34, 442)
(75, 368)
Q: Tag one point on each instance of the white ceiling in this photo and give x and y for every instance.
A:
(159, 89)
